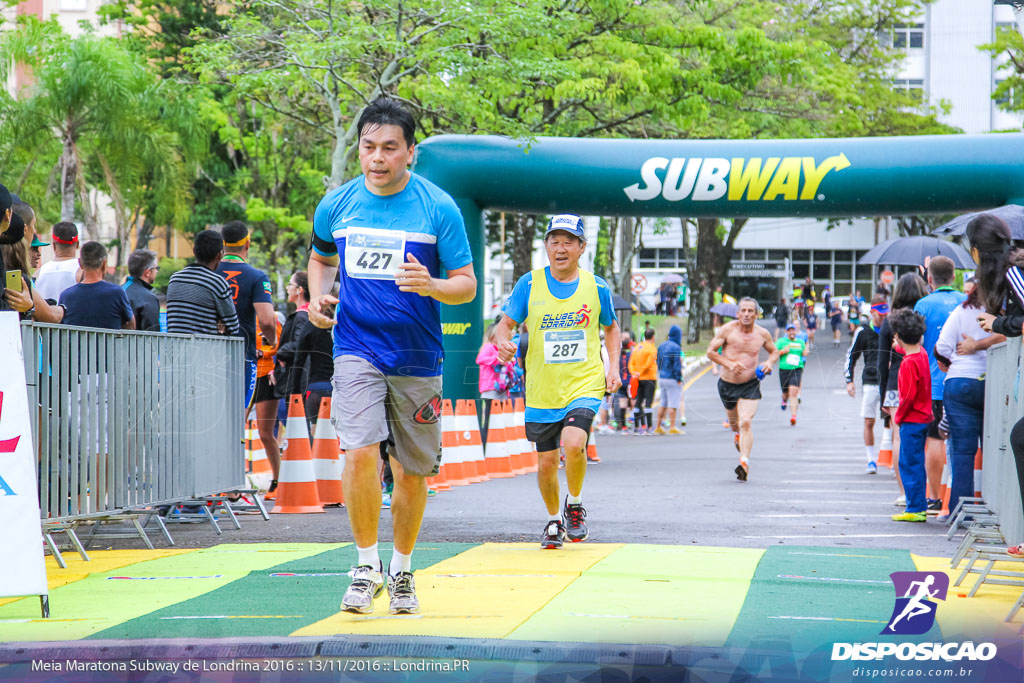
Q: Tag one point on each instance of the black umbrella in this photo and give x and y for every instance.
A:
(1012, 215)
(619, 304)
(912, 251)
(725, 309)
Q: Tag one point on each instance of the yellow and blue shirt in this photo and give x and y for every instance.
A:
(563, 362)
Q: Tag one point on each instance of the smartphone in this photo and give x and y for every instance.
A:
(14, 280)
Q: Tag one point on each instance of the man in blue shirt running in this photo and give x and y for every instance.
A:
(388, 234)
(936, 308)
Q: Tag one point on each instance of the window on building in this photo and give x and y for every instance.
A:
(753, 254)
(914, 87)
(1010, 97)
(844, 255)
(648, 258)
(777, 254)
(822, 271)
(801, 255)
(801, 271)
(822, 256)
(844, 271)
(908, 36)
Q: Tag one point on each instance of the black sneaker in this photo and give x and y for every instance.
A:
(575, 526)
(554, 535)
(934, 505)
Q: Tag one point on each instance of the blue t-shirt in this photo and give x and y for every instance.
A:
(399, 333)
(517, 307)
(97, 304)
(248, 286)
(936, 308)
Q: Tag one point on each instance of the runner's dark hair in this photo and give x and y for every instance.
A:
(991, 237)
(908, 324)
(387, 111)
(207, 245)
(92, 255)
(233, 232)
(909, 289)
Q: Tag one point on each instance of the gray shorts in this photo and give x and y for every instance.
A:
(367, 404)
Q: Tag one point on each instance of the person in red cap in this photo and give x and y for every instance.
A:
(57, 275)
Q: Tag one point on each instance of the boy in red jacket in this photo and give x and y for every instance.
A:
(914, 413)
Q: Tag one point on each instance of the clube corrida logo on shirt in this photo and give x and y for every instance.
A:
(580, 318)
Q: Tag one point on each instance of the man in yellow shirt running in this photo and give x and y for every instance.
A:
(563, 307)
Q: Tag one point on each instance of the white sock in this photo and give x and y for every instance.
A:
(557, 517)
(744, 460)
(575, 500)
(369, 556)
(400, 563)
(870, 451)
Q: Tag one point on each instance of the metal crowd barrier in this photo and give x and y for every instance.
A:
(1004, 406)
(130, 420)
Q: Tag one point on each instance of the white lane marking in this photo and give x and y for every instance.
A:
(843, 491)
(811, 514)
(851, 536)
(831, 502)
(861, 482)
(866, 621)
(828, 578)
(873, 557)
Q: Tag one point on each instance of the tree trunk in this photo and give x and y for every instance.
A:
(709, 261)
(68, 174)
(696, 311)
(625, 283)
(522, 228)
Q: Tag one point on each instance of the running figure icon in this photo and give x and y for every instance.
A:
(916, 606)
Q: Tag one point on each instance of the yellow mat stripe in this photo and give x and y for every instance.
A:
(651, 594)
(485, 592)
(101, 561)
(978, 617)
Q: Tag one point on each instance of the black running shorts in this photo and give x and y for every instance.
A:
(731, 393)
(790, 378)
(548, 435)
(264, 390)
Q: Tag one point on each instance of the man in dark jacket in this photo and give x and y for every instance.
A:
(865, 341)
(670, 377)
(142, 270)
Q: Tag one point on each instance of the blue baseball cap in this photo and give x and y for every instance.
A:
(569, 223)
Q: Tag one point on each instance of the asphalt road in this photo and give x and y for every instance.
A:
(807, 486)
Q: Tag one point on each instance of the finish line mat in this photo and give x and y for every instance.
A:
(687, 596)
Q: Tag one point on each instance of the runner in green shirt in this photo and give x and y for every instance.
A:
(792, 356)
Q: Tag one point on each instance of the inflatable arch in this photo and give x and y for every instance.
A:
(705, 179)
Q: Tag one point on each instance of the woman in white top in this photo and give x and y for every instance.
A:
(962, 346)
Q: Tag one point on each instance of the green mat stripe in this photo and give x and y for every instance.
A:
(809, 596)
(261, 604)
(99, 601)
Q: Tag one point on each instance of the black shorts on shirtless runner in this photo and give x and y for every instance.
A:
(731, 393)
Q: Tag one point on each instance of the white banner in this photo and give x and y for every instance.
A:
(23, 571)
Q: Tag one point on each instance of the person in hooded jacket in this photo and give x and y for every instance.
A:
(670, 377)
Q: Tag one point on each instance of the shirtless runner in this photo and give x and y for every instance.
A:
(739, 387)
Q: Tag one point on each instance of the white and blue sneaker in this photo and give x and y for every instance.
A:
(872, 468)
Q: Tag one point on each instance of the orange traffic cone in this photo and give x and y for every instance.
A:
(496, 453)
(885, 449)
(592, 446)
(469, 436)
(326, 461)
(296, 485)
(453, 454)
(512, 445)
(531, 452)
(977, 474)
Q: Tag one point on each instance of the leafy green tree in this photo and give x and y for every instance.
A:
(120, 129)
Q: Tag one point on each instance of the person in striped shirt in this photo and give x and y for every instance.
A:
(198, 298)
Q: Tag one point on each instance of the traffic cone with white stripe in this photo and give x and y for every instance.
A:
(528, 446)
(497, 454)
(592, 446)
(885, 450)
(328, 463)
(468, 427)
(453, 453)
(978, 461)
(296, 485)
(260, 471)
(512, 444)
